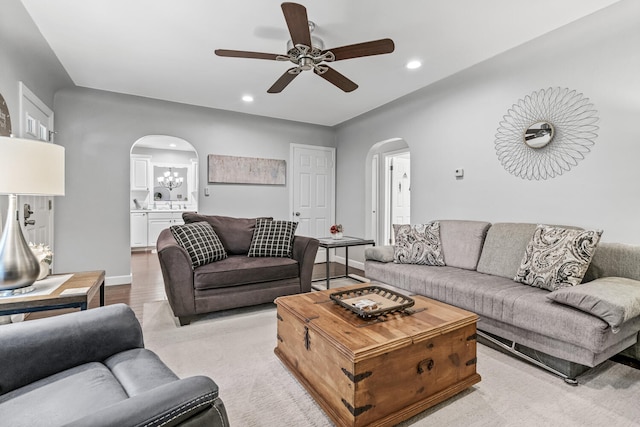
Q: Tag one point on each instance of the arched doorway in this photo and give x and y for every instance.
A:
(388, 184)
(163, 184)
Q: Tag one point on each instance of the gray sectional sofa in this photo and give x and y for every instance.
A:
(481, 262)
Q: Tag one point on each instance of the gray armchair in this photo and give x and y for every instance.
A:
(90, 368)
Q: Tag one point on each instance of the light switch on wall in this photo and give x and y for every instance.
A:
(206, 191)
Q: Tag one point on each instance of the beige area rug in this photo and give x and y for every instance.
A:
(235, 348)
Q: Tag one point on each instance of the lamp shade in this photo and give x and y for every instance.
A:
(31, 167)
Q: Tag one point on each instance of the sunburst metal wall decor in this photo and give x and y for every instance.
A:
(546, 133)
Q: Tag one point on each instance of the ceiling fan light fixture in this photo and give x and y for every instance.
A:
(306, 52)
(413, 64)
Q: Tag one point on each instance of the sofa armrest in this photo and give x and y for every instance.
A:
(39, 348)
(177, 272)
(379, 253)
(168, 405)
(304, 251)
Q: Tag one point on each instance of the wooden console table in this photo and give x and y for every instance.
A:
(86, 283)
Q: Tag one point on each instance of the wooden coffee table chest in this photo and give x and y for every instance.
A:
(376, 372)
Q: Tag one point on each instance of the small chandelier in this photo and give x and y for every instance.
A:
(170, 180)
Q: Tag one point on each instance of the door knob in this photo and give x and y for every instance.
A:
(297, 213)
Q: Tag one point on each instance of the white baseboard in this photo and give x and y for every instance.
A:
(352, 263)
(118, 280)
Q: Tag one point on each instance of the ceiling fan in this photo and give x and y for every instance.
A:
(307, 52)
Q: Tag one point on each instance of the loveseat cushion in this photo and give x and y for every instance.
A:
(63, 397)
(234, 233)
(239, 270)
(462, 242)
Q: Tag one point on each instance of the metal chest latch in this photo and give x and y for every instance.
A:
(307, 338)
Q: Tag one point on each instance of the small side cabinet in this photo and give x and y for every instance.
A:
(138, 229)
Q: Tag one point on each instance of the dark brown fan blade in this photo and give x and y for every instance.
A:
(245, 54)
(282, 82)
(334, 77)
(296, 16)
(375, 47)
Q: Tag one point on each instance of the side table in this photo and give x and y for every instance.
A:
(74, 293)
(345, 242)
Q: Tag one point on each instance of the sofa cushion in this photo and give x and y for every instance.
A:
(614, 260)
(63, 397)
(503, 248)
(200, 241)
(272, 238)
(462, 242)
(239, 270)
(503, 300)
(139, 370)
(613, 299)
(557, 257)
(234, 233)
(418, 244)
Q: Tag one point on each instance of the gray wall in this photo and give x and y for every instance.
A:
(25, 56)
(98, 129)
(452, 124)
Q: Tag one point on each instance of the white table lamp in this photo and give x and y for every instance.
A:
(27, 167)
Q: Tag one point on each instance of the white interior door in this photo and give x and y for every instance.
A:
(312, 190)
(401, 209)
(397, 192)
(36, 122)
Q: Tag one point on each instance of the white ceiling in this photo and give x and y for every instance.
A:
(163, 49)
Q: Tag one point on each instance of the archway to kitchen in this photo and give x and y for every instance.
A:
(163, 184)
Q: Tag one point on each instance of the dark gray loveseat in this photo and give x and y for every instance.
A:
(481, 262)
(90, 368)
(238, 280)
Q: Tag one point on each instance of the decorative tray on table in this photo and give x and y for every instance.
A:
(372, 301)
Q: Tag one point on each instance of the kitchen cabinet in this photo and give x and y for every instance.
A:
(158, 221)
(138, 229)
(140, 172)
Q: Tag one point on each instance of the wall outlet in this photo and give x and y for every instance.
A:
(459, 173)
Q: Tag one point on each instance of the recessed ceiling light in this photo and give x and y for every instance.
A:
(412, 65)
(247, 98)
(172, 145)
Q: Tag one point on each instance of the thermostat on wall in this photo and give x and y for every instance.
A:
(459, 173)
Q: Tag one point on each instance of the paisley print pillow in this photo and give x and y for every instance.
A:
(418, 244)
(557, 257)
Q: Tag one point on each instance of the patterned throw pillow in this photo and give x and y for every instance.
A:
(272, 238)
(418, 244)
(557, 257)
(200, 241)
